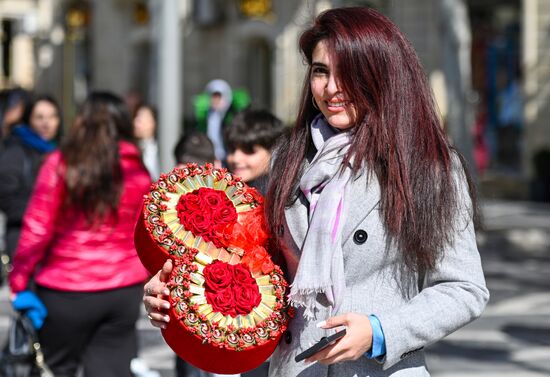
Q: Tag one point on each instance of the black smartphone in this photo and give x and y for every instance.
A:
(323, 343)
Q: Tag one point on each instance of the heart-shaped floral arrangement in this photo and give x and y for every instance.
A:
(228, 299)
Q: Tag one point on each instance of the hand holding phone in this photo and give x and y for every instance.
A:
(320, 345)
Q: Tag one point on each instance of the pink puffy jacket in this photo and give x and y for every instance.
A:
(60, 248)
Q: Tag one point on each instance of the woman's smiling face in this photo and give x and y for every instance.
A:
(332, 102)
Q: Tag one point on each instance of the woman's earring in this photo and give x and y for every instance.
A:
(314, 103)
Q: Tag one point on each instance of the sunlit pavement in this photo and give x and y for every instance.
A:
(153, 350)
(512, 338)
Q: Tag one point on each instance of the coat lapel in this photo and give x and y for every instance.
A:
(297, 220)
(360, 203)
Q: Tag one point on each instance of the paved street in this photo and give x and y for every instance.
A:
(512, 338)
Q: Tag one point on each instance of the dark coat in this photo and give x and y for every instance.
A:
(19, 165)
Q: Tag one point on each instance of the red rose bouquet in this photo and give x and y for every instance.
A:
(228, 298)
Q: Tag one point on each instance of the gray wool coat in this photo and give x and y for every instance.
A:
(414, 310)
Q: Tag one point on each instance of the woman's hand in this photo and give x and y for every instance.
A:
(155, 296)
(353, 345)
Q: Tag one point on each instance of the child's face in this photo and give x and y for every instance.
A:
(249, 166)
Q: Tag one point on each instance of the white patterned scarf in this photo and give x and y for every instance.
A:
(324, 184)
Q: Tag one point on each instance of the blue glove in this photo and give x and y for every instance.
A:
(29, 303)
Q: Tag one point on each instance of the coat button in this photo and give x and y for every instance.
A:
(360, 236)
(288, 337)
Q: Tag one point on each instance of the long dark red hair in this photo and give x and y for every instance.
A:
(93, 176)
(398, 134)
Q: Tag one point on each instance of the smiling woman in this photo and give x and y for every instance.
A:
(327, 95)
(370, 208)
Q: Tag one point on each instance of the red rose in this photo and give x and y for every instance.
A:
(218, 276)
(210, 197)
(184, 218)
(187, 206)
(222, 301)
(247, 297)
(225, 214)
(242, 275)
(200, 223)
(190, 202)
(204, 212)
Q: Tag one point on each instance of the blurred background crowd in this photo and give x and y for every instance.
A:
(486, 62)
(187, 69)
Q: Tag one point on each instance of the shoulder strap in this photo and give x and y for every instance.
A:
(35, 350)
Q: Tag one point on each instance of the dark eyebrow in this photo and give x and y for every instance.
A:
(318, 64)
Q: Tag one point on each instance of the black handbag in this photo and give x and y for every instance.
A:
(22, 352)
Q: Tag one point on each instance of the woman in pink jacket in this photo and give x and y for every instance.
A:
(77, 245)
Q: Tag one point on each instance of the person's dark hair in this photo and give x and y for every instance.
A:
(29, 108)
(93, 175)
(151, 108)
(194, 147)
(253, 127)
(8, 99)
(398, 133)
(15, 96)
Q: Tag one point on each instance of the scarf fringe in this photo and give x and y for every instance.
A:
(306, 298)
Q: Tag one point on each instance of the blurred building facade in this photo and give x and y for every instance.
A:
(476, 53)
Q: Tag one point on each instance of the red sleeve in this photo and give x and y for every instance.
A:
(39, 222)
